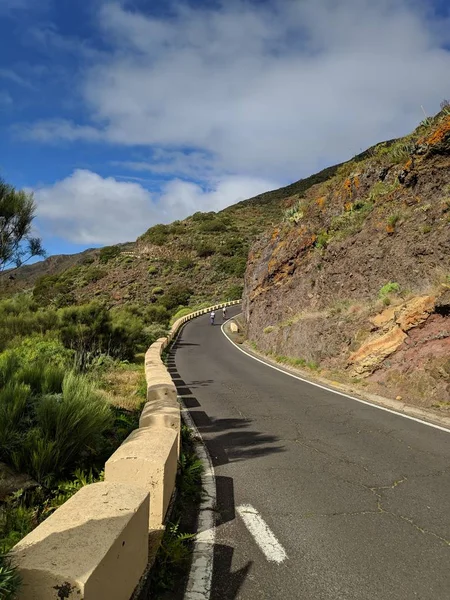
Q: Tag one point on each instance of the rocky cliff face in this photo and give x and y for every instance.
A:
(356, 279)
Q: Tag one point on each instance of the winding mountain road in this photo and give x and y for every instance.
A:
(318, 496)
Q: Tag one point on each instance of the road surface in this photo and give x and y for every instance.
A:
(358, 499)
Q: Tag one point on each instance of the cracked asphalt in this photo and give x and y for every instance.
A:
(359, 498)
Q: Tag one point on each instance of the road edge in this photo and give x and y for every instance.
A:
(199, 584)
(330, 388)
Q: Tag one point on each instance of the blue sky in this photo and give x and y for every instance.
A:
(119, 115)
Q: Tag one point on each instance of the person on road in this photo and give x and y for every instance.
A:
(212, 316)
(224, 313)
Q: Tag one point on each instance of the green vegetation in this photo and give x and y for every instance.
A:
(157, 235)
(108, 253)
(9, 580)
(394, 219)
(390, 288)
(17, 245)
(60, 417)
(349, 222)
(172, 560)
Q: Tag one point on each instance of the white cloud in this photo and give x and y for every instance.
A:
(276, 89)
(88, 209)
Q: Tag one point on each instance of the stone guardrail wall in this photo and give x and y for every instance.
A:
(99, 544)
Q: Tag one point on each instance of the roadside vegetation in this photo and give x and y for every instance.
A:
(172, 561)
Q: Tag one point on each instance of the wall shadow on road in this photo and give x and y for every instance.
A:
(225, 583)
(232, 440)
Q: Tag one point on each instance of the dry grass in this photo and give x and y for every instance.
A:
(124, 386)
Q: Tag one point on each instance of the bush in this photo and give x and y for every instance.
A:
(213, 226)
(389, 288)
(178, 295)
(233, 265)
(233, 246)
(153, 332)
(91, 330)
(152, 270)
(68, 427)
(22, 317)
(185, 264)
(92, 275)
(203, 216)
(108, 253)
(157, 235)
(157, 314)
(158, 290)
(205, 249)
(9, 580)
(234, 292)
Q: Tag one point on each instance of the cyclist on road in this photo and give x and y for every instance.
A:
(212, 316)
(224, 313)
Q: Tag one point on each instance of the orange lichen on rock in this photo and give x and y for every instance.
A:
(321, 202)
(439, 133)
(348, 186)
(275, 234)
(348, 206)
(356, 181)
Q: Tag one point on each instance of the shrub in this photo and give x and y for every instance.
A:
(393, 220)
(68, 428)
(213, 226)
(178, 295)
(234, 292)
(9, 580)
(152, 270)
(14, 400)
(233, 265)
(153, 332)
(158, 290)
(205, 249)
(157, 235)
(91, 330)
(156, 313)
(185, 264)
(203, 216)
(108, 253)
(389, 288)
(92, 275)
(233, 246)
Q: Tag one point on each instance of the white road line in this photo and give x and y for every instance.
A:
(330, 389)
(200, 576)
(266, 540)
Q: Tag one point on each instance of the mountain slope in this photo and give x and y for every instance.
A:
(356, 279)
(206, 253)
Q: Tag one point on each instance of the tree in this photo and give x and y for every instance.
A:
(17, 245)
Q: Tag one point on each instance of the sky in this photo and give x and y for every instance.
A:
(121, 114)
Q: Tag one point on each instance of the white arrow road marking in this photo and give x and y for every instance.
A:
(266, 540)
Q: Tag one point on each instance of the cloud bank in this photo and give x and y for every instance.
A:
(278, 88)
(86, 208)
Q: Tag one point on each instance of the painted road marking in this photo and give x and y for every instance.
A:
(263, 536)
(329, 389)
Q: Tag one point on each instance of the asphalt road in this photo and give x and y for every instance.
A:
(358, 498)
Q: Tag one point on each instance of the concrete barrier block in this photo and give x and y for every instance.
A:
(159, 415)
(164, 392)
(94, 546)
(148, 459)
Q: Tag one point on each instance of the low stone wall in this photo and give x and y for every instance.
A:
(96, 545)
